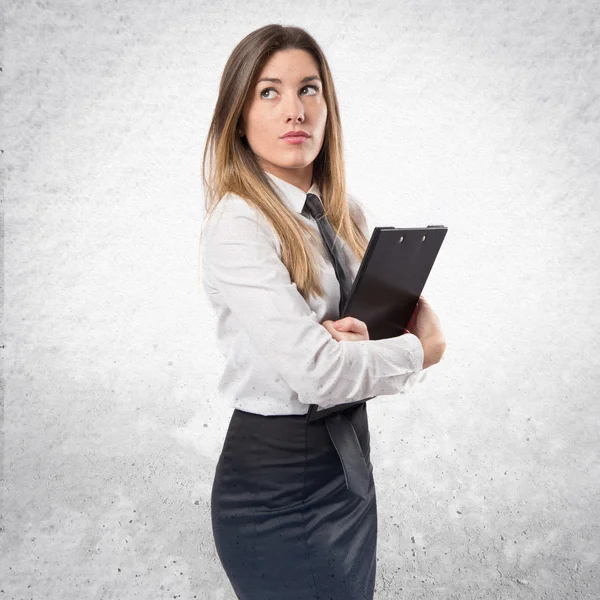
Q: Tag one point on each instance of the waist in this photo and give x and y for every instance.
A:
(249, 414)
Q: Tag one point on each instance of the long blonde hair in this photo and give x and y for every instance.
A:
(233, 168)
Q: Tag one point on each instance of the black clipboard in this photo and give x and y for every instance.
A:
(387, 286)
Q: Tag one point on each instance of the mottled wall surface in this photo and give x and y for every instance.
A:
(480, 115)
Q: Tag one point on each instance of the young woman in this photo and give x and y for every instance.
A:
(286, 523)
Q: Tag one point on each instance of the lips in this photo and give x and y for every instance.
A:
(295, 134)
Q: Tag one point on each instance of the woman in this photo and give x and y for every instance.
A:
(285, 521)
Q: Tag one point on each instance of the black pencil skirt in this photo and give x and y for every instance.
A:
(285, 525)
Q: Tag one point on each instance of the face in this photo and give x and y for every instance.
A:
(287, 96)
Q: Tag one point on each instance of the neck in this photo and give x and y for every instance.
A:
(301, 178)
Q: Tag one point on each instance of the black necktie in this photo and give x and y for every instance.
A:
(342, 272)
(341, 430)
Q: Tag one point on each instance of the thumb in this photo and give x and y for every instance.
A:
(342, 323)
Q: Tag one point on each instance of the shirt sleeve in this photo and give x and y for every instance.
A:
(240, 261)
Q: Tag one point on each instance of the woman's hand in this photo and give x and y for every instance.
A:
(424, 323)
(347, 329)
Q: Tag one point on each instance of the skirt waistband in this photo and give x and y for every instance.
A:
(347, 430)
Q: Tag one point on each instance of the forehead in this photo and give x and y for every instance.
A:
(289, 65)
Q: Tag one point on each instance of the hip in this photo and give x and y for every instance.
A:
(280, 462)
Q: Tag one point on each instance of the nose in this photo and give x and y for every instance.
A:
(293, 108)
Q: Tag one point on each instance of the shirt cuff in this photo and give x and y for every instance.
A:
(418, 357)
(416, 349)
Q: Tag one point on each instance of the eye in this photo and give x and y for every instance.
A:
(270, 89)
(313, 87)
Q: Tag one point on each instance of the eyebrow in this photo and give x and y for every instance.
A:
(275, 80)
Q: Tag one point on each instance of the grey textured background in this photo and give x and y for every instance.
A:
(480, 115)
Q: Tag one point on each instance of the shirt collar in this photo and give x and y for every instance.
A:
(293, 196)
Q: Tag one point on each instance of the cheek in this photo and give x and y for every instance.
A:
(262, 130)
(263, 134)
(261, 123)
(322, 121)
(321, 111)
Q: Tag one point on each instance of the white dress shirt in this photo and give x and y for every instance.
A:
(279, 358)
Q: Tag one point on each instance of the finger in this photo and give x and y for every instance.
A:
(361, 327)
(329, 327)
(351, 324)
(344, 324)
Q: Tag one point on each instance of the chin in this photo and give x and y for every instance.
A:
(292, 164)
(299, 162)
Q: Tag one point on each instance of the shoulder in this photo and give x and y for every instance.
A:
(231, 206)
(355, 207)
(358, 213)
(233, 215)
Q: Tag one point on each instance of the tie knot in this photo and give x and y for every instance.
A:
(314, 206)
